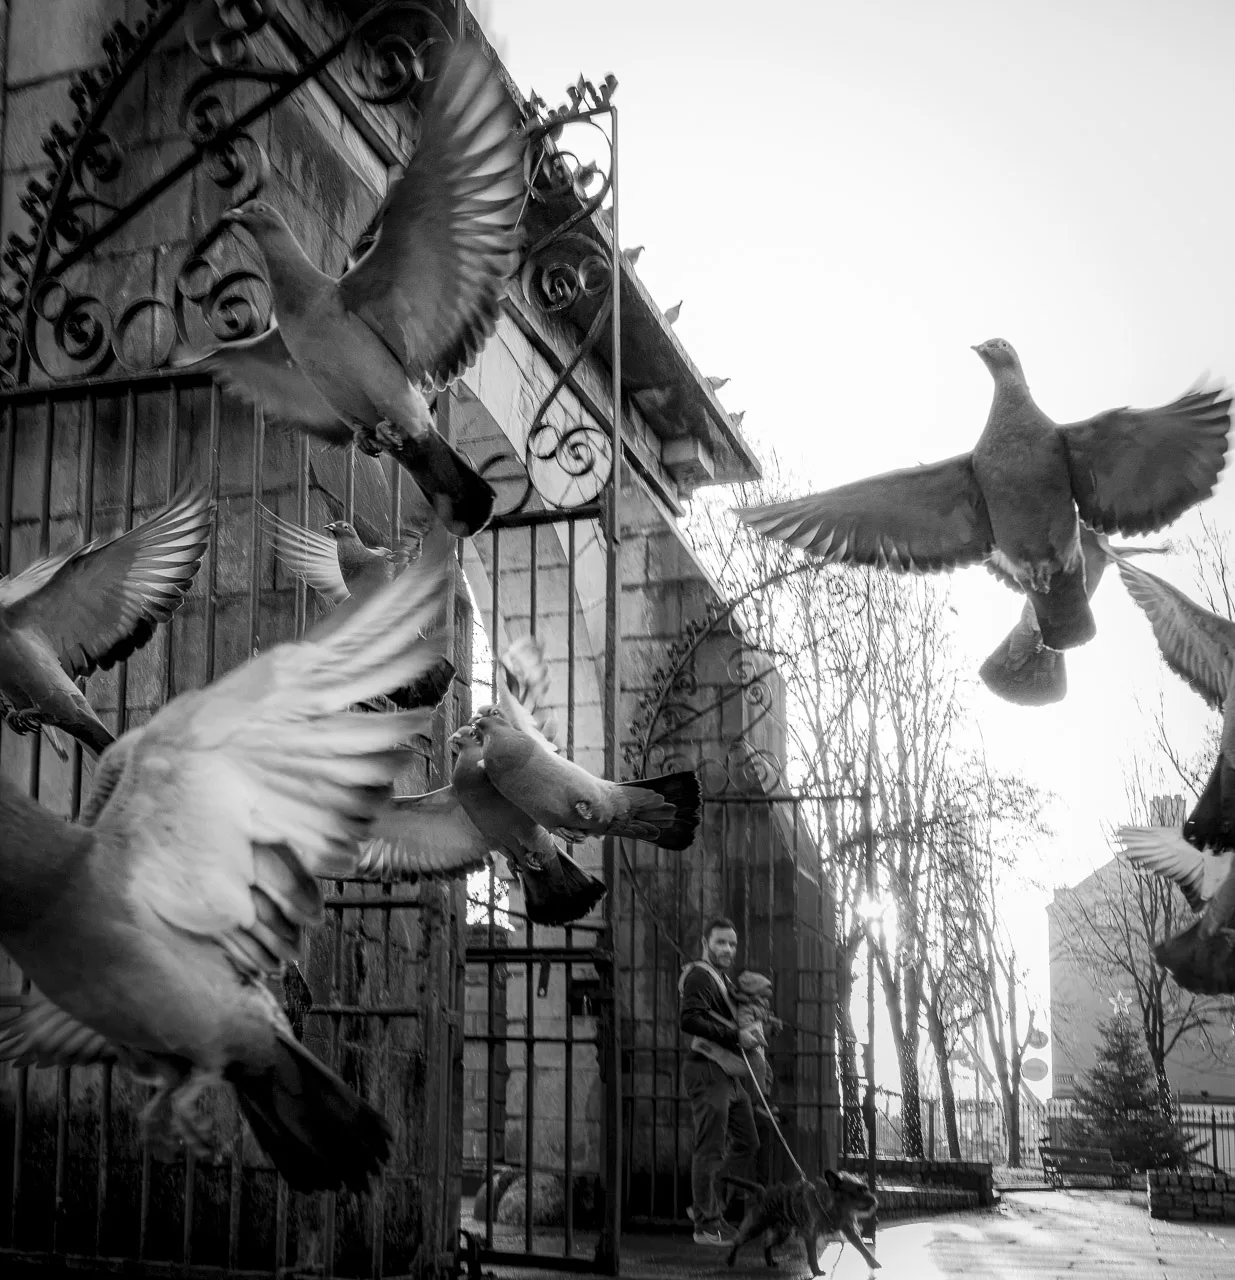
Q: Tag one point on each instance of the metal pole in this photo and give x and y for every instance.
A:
(608, 1246)
(869, 835)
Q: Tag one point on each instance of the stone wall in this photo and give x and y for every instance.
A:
(974, 1176)
(1188, 1197)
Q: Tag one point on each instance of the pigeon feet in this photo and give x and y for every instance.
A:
(388, 435)
(24, 721)
(367, 441)
(168, 1121)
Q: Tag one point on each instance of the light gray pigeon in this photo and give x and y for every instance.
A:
(717, 383)
(347, 355)
(149, 928)
(69, 615)
(1014, 501)
(633, 255)
(672, 313)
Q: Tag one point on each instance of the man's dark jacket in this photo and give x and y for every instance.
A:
(703, 1007)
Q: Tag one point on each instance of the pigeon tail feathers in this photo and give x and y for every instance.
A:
(462, 498)
(671, 810)
(1208, 826)
(563, 898)
(320, 1133)
(1035, 681)
(1064, 616)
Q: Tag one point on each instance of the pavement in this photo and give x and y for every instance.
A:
(1033, 1235)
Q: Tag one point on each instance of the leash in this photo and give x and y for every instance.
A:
(771, 1116)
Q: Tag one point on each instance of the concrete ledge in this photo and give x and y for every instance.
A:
(911, 1201)
(1187, 1197)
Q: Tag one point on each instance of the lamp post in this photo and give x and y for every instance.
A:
(868, 834)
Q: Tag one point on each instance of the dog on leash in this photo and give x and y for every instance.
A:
(829, 1207)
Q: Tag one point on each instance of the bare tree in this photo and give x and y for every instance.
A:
(1110, 923)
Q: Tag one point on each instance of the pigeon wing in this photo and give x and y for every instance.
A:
(37, 1033)
(423, 836)
(1135, 470)
(226, 805)
(308, 555)
(431, 283)
(102, 602)
(1197, 645)
(523, 693)
(261, 370)
(1164, 852)
(921, 518)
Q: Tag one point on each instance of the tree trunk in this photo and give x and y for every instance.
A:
(853, 1132)
(1012, 1118)
(934, 1029)
(905, 1037)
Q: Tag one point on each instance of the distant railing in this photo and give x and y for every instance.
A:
(983, 1136)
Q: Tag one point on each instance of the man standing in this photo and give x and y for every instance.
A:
(725, 1135)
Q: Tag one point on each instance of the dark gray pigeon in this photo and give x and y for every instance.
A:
(452, 831)
(347, 355)
(1022, 669)
(71, 614)
(1199, 646)
(1014, 501)
(150, 927)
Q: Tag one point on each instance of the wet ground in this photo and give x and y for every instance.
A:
(1033, 1235)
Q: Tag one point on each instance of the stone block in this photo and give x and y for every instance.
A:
(38, 48)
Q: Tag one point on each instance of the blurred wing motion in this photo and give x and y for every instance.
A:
(99, 604)
(1196, 644)
(523, 694)
(431, 284)
(1135, 470)
(920, 518)
(427, 835)
(1164, 852)
(312, 557)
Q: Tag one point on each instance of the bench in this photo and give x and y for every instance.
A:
(1062, 1164)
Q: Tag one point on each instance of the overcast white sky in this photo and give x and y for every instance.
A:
(847, 196)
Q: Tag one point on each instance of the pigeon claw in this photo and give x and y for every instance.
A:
(367, 440)
(388, 435)
(169, 1121)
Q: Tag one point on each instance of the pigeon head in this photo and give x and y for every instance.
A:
(485, 721)
(1000, 358)
(256, 217)
(340, 529)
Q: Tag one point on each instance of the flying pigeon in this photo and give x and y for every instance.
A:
(1022, 669)
(716, 383)
(632, 255)
(736, 418)
(63, 617)
(452, 831)
(1013, 502)
(149, 927)
(334, 566)
(341, 567)
(1199, 646)
(673, 312)
(347, 354)
(567, 800)
(1200, 958)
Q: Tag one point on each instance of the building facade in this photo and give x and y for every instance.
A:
(500, 1052)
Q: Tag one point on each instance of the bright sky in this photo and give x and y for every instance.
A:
(848, 196)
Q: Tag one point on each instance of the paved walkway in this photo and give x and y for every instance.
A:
(1034, 1235)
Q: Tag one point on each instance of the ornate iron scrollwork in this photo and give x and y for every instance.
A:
(59, 320)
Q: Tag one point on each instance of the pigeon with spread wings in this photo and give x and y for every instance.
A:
(149, 927)
(522, 762)
(1199, 646)
(1022, 669)
(341, 567)
(347, 355)
(64, 617)
(1013, 502)
(452, 830)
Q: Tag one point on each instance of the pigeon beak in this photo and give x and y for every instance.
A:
(232, 215)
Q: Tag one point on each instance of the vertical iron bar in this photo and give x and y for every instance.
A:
(532, 579)
(234, 1194)
(130, 477)
(10, 465)
(490, 1067)
(36, 739)
(143, 1210)
(302, 519)
(255, 528)
(19, 1142)
(494, 614)
(173, 469)
(529, 1099)
(608, 1247)
(186, 1226)
(349, 485)
(100, 1194)
(63, 1103)
(212, 568)
(571, 553)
